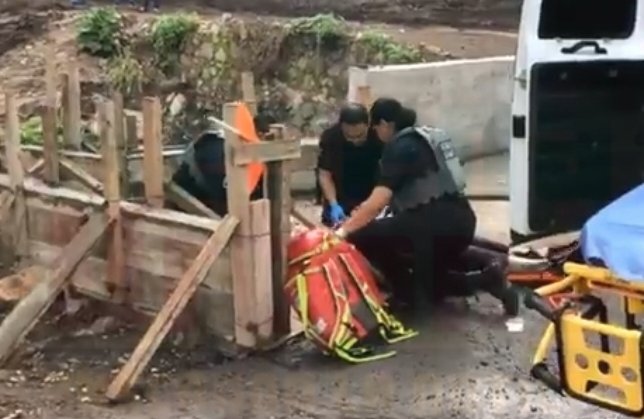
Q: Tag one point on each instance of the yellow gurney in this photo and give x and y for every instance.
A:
(607, 373)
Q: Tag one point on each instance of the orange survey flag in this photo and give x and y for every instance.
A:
(246, 126)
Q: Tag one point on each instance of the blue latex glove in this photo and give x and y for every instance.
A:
(336, 213)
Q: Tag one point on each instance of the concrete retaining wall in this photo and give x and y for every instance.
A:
(468, 98)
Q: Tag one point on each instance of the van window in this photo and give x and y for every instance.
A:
(587, 19)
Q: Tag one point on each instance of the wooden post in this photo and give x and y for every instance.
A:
(16, 175)
(248, 91)
(49, 121)
(173, 307)
(111, 190)
(364, 96)
(250, 264)
(72, 107)
(279, 193)
(121, 142)
(152, 152)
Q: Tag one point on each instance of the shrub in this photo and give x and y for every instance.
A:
(126, 73)
(327, 29)
(169, 35)
(386, 50)
(100, 32)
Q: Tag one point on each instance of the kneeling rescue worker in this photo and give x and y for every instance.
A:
(348, 163)
(421, 180)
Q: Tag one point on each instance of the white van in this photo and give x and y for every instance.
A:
(577, 113)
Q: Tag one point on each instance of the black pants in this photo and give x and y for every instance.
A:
(427, 241)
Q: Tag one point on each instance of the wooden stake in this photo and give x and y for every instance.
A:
(121, 142)
(49, 121)
(16, 176)
(248, 91)
(279, 193)
(72, 107)
(248, 310)
(24, 316)
(173, 307)
(364, 96)
(112, 193)
(152, 152)
(72, 170)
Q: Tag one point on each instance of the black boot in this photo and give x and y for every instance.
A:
(493, 281)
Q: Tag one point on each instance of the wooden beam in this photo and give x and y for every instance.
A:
(173, 307)
(51, 172)
(24, 316)
(184, 200)
(72, 170)
(16, 176)
(40, 163)
(279, 193)
(152, 152)
(33, 186)
(248, 91)
(165, 216)
(72, 106)
(112, 191)
(266, 151)
(248, 311)
(6, 202)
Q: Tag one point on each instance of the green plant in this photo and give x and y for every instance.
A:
(31, 132)
(387, 50)
(126, 73)
(169, 35)
(100, 32)
(326, 28)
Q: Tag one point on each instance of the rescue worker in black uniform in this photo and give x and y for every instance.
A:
(422, 181)
(347, 164)
(202, 172)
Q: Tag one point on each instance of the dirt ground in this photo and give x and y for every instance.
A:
(464, 365)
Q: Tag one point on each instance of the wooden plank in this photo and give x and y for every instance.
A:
(279, 193)
(6, 202)
(24, 316)
(248, 91)
(184, 200)
(166, 216)
(178, 300)
(266, 151)
(78, 173)
(51, 171)
(241, 250)
(36, 167)
(112, 191)
(33, 186)
(72, 106)
(153, 152)
(16, 176)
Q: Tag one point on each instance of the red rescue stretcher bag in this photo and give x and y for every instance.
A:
(334, 292)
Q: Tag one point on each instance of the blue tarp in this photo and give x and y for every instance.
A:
(615, 236)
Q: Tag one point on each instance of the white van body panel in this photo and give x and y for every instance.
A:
(530, 51)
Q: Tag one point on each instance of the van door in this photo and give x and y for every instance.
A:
(578, 112)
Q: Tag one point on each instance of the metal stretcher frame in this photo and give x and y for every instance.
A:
(623, 371)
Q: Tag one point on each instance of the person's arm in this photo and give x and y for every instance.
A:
(367, 211)
(325, 168)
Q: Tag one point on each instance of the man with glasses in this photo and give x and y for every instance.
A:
(348, 163)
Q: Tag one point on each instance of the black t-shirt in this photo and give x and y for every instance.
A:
(354, 168)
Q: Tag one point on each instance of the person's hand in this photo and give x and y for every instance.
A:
(336, 213)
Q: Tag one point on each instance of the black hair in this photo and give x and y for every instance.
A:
(406, 118)
(263, 123)
(385, 109)
(354, 113)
